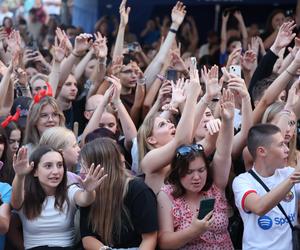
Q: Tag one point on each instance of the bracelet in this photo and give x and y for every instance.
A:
(173, 30)
(291, 74)
(285, 112)
(141, 81)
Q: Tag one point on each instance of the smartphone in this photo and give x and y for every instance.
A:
(171, 75)
(194, 62)
(206, 206)
(235, 70)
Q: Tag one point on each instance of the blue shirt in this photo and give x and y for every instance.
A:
(5, 191)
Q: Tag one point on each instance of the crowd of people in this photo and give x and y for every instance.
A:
(114, 140)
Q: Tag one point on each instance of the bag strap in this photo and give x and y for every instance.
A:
(255, 176)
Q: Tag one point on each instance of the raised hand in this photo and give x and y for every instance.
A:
(293, 96)
(249, 61)
(296, 48)
(62, 36)
(124, 13)
(94, 178)
(178, 14)
(100, 46)
(285, 35)
(211, 77)
(116, 66)
(227, 105)
(21, 163)
(178, 95)
(234, 57)
(59, 50)
(82, 44)
(193, 87)
(213, 126)
(115, 81)
(238, 86)
(176, 61)
(107, 98)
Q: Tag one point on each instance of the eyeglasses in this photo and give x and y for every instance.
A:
(185, 150)
(46, 116)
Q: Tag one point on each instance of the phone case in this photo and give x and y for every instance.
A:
(206, 206)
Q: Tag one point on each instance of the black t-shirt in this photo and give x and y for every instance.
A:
(75, 114)
(142, 207)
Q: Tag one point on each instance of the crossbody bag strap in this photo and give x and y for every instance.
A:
(255, 176)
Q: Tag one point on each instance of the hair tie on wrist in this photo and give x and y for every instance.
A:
(173, 30)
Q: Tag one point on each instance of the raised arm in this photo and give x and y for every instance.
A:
(282, 80)
(127, 124)
(6, 91)
(160, 157)
(242, 27)
(237, 85)
(93, 179)
(222, 156)
(223, 46)
(22, 168)
(178, 14)
(124, 16)
(100, 48)
(59, 51)
(96, 117)
(82, 44)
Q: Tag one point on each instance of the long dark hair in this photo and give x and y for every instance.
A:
(180, 167)
(7, 172)
(35, 194)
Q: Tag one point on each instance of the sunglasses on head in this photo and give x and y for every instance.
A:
(187, 149)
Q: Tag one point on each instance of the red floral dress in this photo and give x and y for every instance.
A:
(217, 237)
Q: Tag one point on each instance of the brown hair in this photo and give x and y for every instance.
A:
(34, 193)
(180, 167)
(106, 212)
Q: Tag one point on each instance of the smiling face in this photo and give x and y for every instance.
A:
(48, 118)
(50, 171)
(162, 133)
(195, 177)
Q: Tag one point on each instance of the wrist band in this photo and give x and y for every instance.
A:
(291, 74)
(173, 30)
(141, 81)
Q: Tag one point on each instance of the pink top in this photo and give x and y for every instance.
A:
(217, 237)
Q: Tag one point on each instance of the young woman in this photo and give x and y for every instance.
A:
(158, 138)
(63, 139)
(124, 213)
(42, 115)
(14, 135)
(6, 170)
(192, 179)
(45, 204)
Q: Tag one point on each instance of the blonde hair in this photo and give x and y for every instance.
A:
(32, 134)
(57, 138)
(269, 115)
(106, 212)
(144, 132)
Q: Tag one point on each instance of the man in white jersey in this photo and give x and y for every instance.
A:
(265, 226)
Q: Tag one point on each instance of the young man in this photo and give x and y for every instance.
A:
(265, 226)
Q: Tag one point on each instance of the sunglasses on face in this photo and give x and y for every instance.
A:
(186, 150)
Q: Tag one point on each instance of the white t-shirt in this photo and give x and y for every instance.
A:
(272, 230)
(52, 227)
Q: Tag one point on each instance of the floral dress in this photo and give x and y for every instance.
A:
(217, 237)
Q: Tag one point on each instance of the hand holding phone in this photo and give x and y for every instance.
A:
(206, 206)
(235, 70)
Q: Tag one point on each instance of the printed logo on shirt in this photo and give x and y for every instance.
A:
(289, 196)
(265, 222)
(282, 220)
